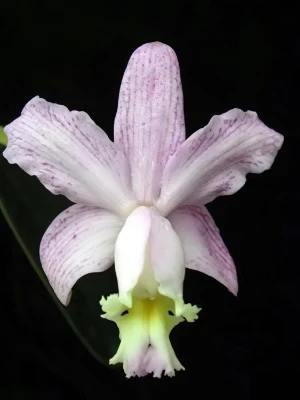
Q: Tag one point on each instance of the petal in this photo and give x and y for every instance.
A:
(70, 155)
(145, 346)
(149, 124)
(131, 252)
(149, 258)
(203, 246)
(79, 241)
(215, 160)
(167, 259)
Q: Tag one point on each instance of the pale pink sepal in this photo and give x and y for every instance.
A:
(70, 155)
(214, 161)
(149, 124)
(203, 246)
(79, 241)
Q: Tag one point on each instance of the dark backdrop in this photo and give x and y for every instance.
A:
(231, 54)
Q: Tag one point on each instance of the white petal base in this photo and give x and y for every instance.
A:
(145, 346)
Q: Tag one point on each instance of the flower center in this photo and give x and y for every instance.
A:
(144, 332)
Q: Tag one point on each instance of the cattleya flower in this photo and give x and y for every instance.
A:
(140, 200)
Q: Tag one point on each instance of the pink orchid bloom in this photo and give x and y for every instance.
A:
(140, 200)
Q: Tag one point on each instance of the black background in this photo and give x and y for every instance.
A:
(231, 54)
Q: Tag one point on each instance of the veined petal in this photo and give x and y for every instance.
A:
(79, 241)
(149, 124)
(215, 160)
(203, 246)
(70, 155)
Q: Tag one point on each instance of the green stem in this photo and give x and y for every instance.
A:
(46, 284)
(3, 137)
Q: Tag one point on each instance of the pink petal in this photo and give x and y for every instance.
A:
(215, 160)
(79, 241)
(203, 246)
(149, 257)
(131, 253)
(167, 257)
(70, 155)
(149, 124)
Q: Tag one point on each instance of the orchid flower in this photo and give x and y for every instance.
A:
(140, 201)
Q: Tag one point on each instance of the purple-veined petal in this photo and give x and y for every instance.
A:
(149, 124)
(203, 246)
(215, 160)
(70, 155)
(79, 241)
